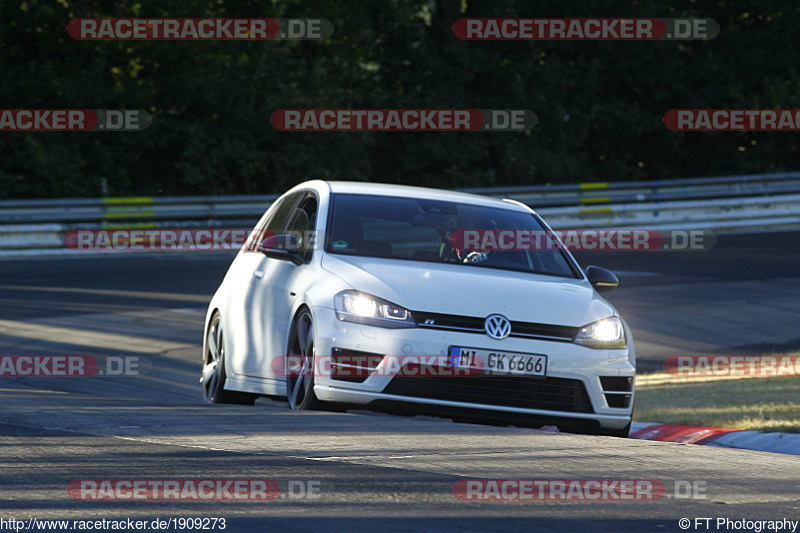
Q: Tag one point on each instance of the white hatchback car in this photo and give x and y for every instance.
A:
(368, 279)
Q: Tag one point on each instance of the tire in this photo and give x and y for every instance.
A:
(594, 430)
(213, 376)
(622, 433)
(300, 371)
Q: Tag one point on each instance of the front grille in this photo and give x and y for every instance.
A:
(552, 394)
(353, 366)
(468, 324)
(618, 401)
(613, 386)
(616, 383)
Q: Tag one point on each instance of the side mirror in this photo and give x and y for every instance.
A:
(282, 247)
(601, 279)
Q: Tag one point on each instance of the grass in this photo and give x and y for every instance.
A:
(763, 403)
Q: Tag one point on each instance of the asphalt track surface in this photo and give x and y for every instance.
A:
(374, 471)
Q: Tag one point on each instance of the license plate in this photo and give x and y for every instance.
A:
(497, 362)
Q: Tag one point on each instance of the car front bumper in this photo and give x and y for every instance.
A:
(566, 361)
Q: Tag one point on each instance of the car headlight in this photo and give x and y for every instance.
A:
(362, 308)
(607, 333)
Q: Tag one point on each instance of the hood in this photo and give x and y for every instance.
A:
(472, 291)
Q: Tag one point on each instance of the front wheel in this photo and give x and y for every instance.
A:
(300, 365)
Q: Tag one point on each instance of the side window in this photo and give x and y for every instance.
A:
(301, 224)
(275, 221)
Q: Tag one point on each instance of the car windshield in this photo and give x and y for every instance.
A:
(419, 229)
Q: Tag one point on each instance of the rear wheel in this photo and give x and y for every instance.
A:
(300, 365)
(213, 377)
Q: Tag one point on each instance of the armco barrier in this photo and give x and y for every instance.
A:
(139, 209)
(759, 212)
(763, 202)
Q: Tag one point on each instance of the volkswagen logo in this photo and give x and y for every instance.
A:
(497, 326)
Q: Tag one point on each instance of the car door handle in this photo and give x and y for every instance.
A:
(259, 274)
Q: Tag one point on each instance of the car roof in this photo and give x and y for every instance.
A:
(407, 191)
